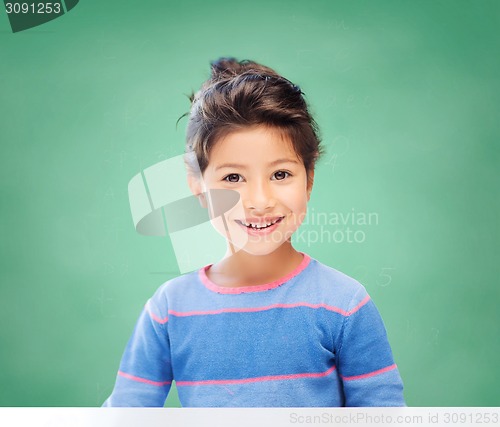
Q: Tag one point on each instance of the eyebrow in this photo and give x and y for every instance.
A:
(237, 165)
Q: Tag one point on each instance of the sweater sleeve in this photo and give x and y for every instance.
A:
(145, 374)
(365, 361)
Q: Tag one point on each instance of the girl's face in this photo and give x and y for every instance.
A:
(272, 183)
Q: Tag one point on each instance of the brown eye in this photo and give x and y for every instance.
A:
(233, 177)
(280, 175)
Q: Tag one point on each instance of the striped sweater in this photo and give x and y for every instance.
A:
(312, 338)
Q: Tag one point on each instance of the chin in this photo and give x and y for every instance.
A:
(259, 249)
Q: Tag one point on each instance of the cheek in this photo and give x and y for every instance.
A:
(300, 215)
(293, 197)
(222, 201)
(298, 207)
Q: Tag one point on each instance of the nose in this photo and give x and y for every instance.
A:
(259, 196)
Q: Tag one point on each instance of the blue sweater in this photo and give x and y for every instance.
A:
(313, 338)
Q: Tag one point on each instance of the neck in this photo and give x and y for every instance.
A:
(244, 269)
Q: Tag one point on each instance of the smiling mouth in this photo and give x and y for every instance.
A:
(260, 225)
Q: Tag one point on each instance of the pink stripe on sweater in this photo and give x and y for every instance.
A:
(269, 307)
(258, 379)
(371, 374)
(361, 304)
(143, 380)
(257, 288)
(154, 316)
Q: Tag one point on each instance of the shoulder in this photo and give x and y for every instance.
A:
(334, 286)
(183, 283)
(186, 285)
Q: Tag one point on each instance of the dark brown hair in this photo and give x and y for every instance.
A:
(241, 94)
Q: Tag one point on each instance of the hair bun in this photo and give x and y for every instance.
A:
(223, 68)
(229, 67)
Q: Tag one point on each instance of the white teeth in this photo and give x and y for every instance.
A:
(259, 226)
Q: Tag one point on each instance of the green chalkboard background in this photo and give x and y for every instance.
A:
(407, 97)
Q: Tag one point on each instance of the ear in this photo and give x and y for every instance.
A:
(196, 186)
(310, 182)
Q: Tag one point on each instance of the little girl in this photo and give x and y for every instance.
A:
(267, 325)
